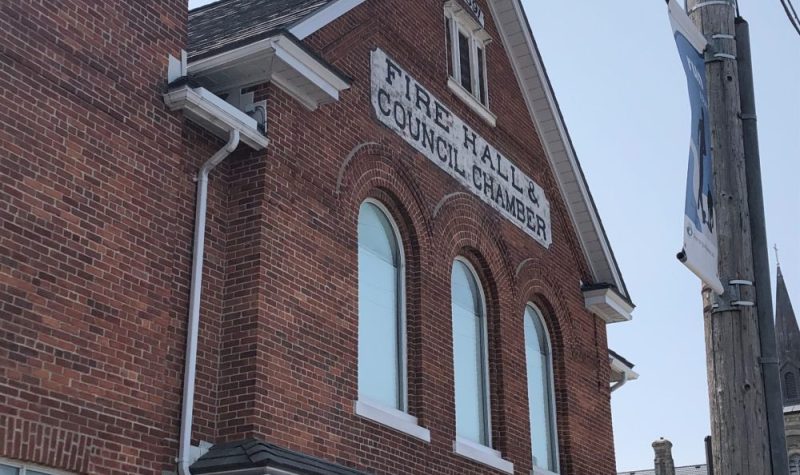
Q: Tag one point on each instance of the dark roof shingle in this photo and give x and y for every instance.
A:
(227, 24)
(254, 453)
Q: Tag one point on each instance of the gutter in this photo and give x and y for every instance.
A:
(193, 325)
(214, 114)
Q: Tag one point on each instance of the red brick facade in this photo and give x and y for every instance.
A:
(95, 250)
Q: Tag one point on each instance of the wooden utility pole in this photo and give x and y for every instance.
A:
(739, 430)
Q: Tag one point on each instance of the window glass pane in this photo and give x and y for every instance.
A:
(468, 355)
(537, 355)
(794, 465)
(790, 386)
(34, 472)
(481, 79)
(7, 470)
(463, 54)
(379, 350)
(449, 41)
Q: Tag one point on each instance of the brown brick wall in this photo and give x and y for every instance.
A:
(94, 220)
(96, 241)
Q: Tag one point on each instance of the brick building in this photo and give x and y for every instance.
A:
(389, 261)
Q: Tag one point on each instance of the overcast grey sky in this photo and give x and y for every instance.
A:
(621, 88)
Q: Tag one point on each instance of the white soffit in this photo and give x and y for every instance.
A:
(607, 304)
(618, 369)
(214, 114)
(540, 100)
(277, 59)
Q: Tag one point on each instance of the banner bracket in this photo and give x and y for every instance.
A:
(732, 298)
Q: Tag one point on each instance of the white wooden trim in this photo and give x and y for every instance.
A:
(473, 103)
(487, 409)
(548, 116)
(482, 454)
(310, 67)
(541, 471)
(214, 114)
(228, 58)
(553, 412)
(23, 467)
(322, 17)
(608, 305)
(621, 368)
(402, 324)
(397, 420)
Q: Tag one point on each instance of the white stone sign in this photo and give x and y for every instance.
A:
(406, 107)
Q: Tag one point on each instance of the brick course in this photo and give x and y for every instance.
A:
(95, 253)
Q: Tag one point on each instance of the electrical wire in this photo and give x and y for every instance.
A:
(791, 13)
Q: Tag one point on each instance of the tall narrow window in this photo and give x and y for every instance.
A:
(469, 355)
(466, 44)
(465, 65)
(449, 43)
(381, 331)
(540, 392)
(794, 464)
(790, 386)
(481, 76)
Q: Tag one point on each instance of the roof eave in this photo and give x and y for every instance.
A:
(548, 119)
(313, 81)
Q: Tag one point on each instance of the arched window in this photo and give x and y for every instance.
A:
(541, 404)
(794, 464)
(790, 386)
(469, 355)
(381, 326)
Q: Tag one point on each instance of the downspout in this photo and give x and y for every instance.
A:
(621, 382)
(193, 324)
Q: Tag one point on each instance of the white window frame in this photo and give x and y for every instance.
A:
(461, 20)
(554, 423)
(23, 467)
(398, 419)
(484, 349)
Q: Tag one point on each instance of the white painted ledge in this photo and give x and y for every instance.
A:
(482, 454)
(541, 471)
(397, 420)
(473, 103)
(790, 409)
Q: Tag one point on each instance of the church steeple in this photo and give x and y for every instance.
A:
(787, 335)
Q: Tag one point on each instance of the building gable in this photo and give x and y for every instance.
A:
(606, 295)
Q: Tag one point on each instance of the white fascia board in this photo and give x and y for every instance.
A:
(324, 16)
(619, 367)
(214, 114)
(228, 58)
(608, 305)
(551, 115)
(287, 51)
(305, 64)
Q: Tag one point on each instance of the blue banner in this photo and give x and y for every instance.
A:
(700, 239)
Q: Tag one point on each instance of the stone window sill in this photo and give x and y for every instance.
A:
(482, 454)
(473, 103)
(397, 420)
(542, 471)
